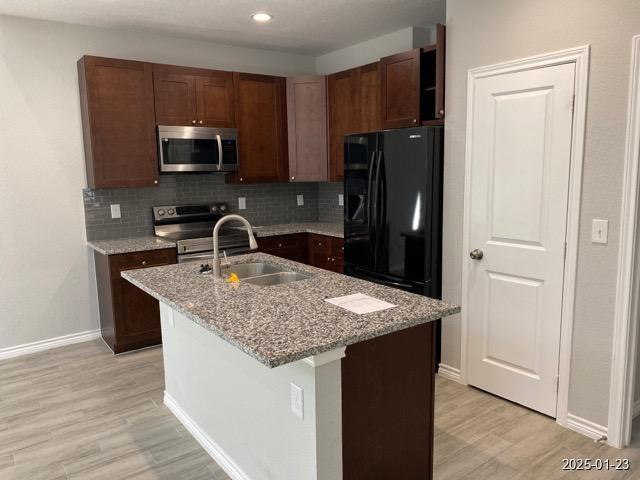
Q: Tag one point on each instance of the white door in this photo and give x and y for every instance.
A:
(517, 215)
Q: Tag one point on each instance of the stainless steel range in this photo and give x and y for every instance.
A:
(191, 227)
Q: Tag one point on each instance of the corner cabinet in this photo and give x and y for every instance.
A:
(116, 102)
(261, 119)
(129, 317)
(307, 128)
(193, 97)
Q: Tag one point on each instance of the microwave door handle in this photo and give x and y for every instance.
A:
(219, 152)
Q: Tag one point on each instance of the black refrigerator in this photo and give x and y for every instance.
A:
(393, 208)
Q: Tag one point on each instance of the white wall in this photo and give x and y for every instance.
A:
(372, 50)
(46, 274)
(491, 31)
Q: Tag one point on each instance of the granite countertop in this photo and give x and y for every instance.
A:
(129, 245)
(141, 244)
(284, 323)
(329, 229)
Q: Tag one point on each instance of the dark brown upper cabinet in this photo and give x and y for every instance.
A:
(342, 117)
(116, 101)
(354, 107)
(261, 119)
(193, 96)
(432, 74)
(368, 98)
(400, 89)
(412, 86)
(307, 128)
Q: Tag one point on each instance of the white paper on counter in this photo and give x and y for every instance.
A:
(360, 303)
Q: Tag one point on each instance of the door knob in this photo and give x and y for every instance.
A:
(476, 254)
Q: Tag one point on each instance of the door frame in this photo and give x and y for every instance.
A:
(580, 57)
(625, 327)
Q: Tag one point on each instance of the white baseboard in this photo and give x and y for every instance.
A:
(211, 447)
(41, 345)
(449, 372)
(586, 427)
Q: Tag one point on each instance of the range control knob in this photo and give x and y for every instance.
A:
(171, 211)
(161, 212)
(214, 208)
(223, 208)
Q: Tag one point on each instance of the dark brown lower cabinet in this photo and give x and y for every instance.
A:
(389, 379)
(292, 247)
(129, 317)
(320, 251)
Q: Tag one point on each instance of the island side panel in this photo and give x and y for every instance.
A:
(240, 410)
(387, 406)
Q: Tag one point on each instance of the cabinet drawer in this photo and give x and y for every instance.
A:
(320, 244)
(129, 261)
(279, 241)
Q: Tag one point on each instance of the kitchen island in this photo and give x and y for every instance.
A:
(277, 383)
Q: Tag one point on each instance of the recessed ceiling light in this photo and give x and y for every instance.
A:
(261, 17)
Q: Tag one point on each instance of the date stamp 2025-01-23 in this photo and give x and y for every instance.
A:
(596, 464)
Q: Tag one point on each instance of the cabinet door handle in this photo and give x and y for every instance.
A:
(279, 244)
(193, 121)
(328, 259)
(144, 262)
(200, 122)
(333, 259)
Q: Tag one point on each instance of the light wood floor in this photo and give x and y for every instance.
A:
(480, 436)
(79, 412)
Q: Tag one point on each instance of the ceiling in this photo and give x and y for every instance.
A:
(311, 27)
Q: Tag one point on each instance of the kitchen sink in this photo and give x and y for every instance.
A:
(277, 278)
(248, 270)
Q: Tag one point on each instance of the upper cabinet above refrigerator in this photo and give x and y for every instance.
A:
(412, 86)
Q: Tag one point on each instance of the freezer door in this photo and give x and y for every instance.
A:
(404, 203)
(360, 158)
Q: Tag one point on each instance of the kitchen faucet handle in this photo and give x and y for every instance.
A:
(227, 263)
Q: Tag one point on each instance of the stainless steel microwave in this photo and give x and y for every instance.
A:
(197, 149)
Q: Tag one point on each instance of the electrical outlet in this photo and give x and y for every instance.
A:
(300, 200)
(115, 210)
(599, 231)
(297, 400)
(340, 199)
(242, 203)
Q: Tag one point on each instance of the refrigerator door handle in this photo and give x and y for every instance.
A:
(381, 193)
(375, 213)
(370, 188)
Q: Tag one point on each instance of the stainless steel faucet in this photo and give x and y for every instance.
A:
(216, 253)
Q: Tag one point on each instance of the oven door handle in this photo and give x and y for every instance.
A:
(219, 151)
